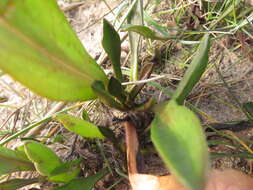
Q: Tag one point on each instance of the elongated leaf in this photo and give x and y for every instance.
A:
(145, 32)
(231, 7)
(178, 137)
(116, 89)
(85, 116)
(15, 184)
(136, 18)
(44, 159)
(11, 161)
(39, 49)
(83, 183)
(150, 21)
(194, 72)
(112, 46)
(79, 126)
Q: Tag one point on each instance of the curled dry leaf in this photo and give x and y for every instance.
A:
(218, 180)
(151, 182)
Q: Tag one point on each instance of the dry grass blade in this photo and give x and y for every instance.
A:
(59, 106)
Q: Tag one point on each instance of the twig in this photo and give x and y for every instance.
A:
(13, 113)
(55, 109)
(148, 80)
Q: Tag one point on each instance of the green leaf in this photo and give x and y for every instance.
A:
(150, 21)
(135, 17)
(79, 126)
(44, 159)
(144, 31)
(194, 71)
(66, 171)
(65, 177)
(99, 88)
(85, 115)
(116, 89)
(112, 46)
(15, 184)
(231, 7)
(11, 161)
(40, 50)
(178, 137)
(83, 183)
